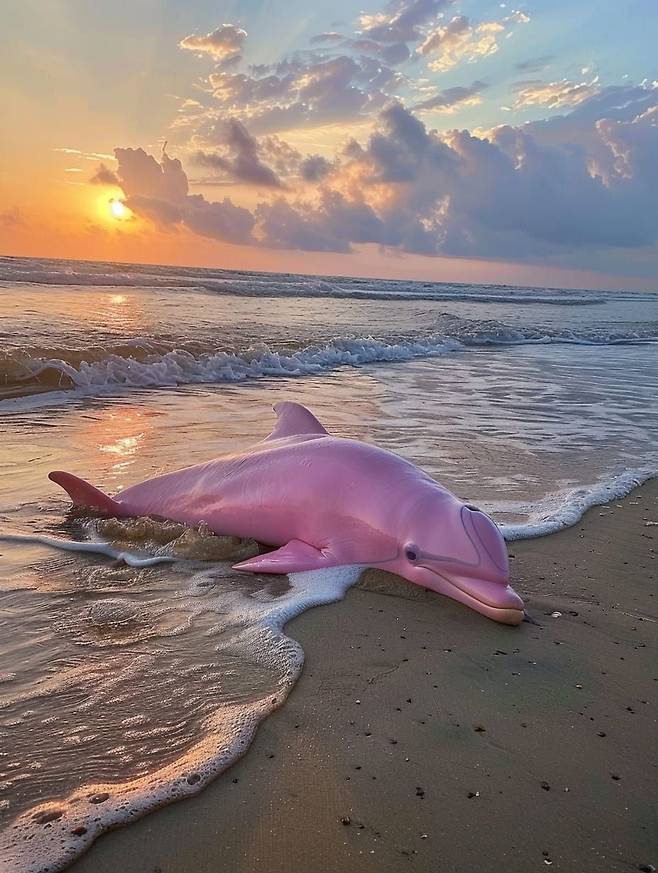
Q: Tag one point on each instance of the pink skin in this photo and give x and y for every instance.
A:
(326, 502)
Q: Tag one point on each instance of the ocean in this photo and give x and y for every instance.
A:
(124, 687)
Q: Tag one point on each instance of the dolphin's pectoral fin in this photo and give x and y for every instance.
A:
(294, 557)
(293, 420)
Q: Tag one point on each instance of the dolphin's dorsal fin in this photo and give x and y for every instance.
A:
(84, 494)
(293, 420)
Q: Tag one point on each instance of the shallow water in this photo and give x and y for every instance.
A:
(123, 687)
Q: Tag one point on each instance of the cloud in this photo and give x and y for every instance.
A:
(305, 91)
(328, 37)
(160, 212)
(87, 156)
(104, 176)
(578, 128)
(241, 161)
(140, 174)
(158, 191)
(332, 226)
(342, 78)
(634, 145)
(402, 22)
(463, 195)
(450, 44)
(554, 95)
(223, 44)
(452, 99)
(392, 53)
(534, 65)
(263, 163)
(219, 220)
(314, 167)
(520, 193)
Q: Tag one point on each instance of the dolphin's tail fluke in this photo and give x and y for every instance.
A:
(84, 494)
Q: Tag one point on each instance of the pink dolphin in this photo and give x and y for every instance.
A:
(326, 502)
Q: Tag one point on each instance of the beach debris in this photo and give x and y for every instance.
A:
(479, 729)
(646, 868)
(651, 524)
(472, 794)
(346, 820)
(601, 734)
(545, 786)
(556, 614)
(578, 685)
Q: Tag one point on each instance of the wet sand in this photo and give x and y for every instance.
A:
(422, 736)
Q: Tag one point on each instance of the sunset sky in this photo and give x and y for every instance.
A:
(437, 139)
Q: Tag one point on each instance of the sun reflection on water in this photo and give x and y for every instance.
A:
(120, 434)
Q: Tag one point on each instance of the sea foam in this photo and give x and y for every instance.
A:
(48, 836)
(564, 509)
(103, 371)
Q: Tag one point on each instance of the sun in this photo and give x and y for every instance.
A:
(119, 210)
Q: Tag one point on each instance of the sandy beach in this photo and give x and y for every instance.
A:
(421, 736)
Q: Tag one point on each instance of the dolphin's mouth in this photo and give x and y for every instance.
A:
(494, 599)
(498, 602)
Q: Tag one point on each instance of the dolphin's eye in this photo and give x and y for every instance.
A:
(411, 555)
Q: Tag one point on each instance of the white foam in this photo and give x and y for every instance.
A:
(114, 373)
(93, 547)
(48, 837)
(564, 509)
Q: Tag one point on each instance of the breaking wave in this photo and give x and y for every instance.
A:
(147, 364)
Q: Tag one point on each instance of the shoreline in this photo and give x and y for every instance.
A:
(421, 734)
